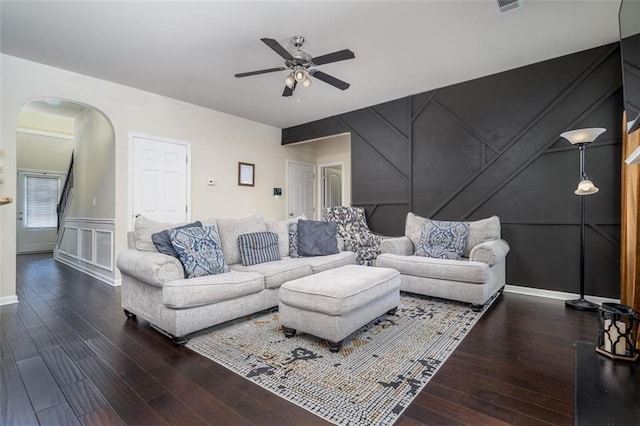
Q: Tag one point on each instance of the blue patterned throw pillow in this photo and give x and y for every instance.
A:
(199, 250)
(258, 247)
(442, 239)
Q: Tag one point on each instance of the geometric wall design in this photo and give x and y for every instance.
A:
(492, 146)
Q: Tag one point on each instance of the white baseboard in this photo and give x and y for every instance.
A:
(550, 294)
(8, 300)
(107, 280)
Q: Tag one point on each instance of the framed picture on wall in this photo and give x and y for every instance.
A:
(246, 174)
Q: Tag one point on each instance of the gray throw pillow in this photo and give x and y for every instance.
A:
(258, 247)
(317, 238)
(443, 239)
(162, 241)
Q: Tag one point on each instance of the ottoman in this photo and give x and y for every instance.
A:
(335, 303)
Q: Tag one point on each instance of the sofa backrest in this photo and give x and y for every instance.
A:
(230, 229)
(479, 231)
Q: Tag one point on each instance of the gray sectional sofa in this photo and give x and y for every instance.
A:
(474, 279)
(154, 286)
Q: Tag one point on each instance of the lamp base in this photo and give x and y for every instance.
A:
(581, 305)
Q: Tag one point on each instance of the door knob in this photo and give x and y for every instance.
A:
(5, 200)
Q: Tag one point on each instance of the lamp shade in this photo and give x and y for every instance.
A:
(289, 81)
(583, 135)
(299, 75)
(586, 187)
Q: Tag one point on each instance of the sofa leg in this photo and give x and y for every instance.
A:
(179, 341)
(392, 311)
(477, 308)
(288, 332)
(130, 315)
(334, 346)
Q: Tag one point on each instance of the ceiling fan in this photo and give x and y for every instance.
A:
(300, 62)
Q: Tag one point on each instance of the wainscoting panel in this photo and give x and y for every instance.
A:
(492, 146)
(87, 245)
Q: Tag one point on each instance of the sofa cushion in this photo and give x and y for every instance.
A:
(413, 228)
(258, 247)
(443, 269)
(199, 250)
(144, 228)
(199, 291)
(442, 239)
(281, 227)
(481, 231)
(332, 261)
(231, 229)
(162, 241)
(276, 273)
(317, 238)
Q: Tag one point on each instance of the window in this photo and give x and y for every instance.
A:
(41, 200)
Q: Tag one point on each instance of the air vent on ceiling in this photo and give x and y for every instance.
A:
(507, 5)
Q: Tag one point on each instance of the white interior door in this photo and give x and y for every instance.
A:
(37, 220)
(332, 186)
(300, 190)
(160, 179)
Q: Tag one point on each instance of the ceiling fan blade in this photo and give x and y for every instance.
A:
(329, 79)
(289, 91)
(247, 74)
(341, 55)
(277, 47)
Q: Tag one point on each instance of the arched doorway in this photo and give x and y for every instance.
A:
(65, 204)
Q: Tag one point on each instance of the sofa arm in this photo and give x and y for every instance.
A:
(401, 246)
(489, 252)
(150, 267)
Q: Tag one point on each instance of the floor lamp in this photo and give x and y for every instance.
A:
(581, 138)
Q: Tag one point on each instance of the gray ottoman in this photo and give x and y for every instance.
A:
(335, 303)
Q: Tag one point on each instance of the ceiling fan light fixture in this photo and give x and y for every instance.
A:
(306, 82)
(300, 75)
(289, 81)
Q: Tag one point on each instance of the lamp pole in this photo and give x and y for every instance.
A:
(582, 304)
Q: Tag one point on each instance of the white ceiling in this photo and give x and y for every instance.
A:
(191, 50)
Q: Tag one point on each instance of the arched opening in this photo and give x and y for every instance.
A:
(65, 203)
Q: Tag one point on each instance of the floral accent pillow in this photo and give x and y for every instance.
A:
(293, 240)
(443, 239)
(199, 250)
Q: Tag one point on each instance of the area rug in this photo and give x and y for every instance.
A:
(380, 369)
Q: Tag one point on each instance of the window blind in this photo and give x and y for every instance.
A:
(41, 197)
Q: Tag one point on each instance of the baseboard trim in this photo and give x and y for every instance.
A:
(550, 294)
(107, 280)
(8, 300)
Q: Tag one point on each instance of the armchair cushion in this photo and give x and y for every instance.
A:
(442, 239)
(489, 252)
(400, 245)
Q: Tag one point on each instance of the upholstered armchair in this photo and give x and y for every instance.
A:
(354, 231)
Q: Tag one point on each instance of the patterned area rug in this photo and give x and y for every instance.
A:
(378, 372)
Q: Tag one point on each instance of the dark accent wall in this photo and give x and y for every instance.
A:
(491, 146)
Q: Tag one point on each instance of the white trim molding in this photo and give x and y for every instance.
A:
(78, 247)
(8, 300)
(559, 295)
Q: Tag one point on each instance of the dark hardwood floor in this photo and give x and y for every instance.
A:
(69, 356)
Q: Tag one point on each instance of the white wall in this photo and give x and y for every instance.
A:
(36, 152)
(336, 149)
(218, 142)
(94, 167)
